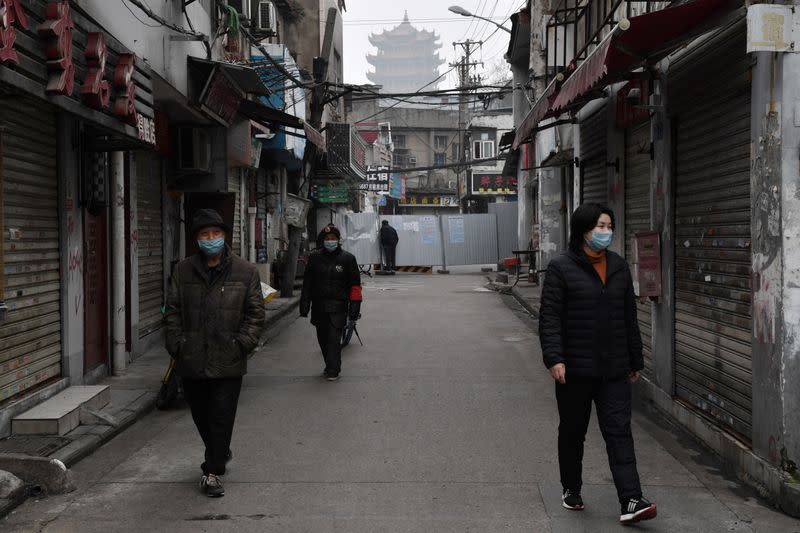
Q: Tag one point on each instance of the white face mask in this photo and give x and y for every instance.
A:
(330, 245)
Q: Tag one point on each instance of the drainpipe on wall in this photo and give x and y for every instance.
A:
(251, 221)
(118, 241)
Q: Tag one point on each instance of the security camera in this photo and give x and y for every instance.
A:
(634, 97)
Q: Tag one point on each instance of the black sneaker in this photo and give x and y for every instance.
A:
(211, 485)
(636, 510)
(332, 377)
(571, 499)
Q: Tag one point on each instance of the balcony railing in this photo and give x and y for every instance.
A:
(576, 27)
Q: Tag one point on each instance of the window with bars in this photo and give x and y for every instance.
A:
(440, 143)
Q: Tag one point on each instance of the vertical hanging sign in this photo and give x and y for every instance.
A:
(57, 31)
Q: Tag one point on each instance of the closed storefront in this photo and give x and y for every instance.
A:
(637, 218)
(594, 174)
(30, 336)
(150, 243)
(710, 93)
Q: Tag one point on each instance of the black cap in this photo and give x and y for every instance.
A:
(385, 223)
(206, 218)
(328, 230)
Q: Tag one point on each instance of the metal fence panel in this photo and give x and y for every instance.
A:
(506, 227)
(420, 241)
(360, 237)
(470, 239)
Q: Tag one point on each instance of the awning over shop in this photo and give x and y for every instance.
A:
(245, 77)
(644, 39)
(634, 43)
(257, 111)
(537, 113)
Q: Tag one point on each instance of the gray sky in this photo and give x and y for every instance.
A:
(364, 17)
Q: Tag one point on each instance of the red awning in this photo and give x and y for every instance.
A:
(642, 39)
(537, 113)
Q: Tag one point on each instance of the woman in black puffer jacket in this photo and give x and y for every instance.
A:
(592, 346)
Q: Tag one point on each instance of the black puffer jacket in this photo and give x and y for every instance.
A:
(327, 283)
(590, 327)
(389, 236)
(213, 324)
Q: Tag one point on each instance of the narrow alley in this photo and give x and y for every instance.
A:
(446, 423)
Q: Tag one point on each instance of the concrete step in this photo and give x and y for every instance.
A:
(61, 413)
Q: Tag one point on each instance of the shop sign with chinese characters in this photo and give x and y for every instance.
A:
(56, 35)
(377, 180)
(429, 200)
(494, 183)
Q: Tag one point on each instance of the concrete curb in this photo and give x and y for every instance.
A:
(766, 479)
(96, 436)
(524, 302)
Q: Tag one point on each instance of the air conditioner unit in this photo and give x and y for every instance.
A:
(412, 160)
(194, 150)
(266, 19)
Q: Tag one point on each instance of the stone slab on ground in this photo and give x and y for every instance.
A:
(61, 413)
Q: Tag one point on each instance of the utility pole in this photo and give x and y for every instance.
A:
(465, 83)
(321, 64)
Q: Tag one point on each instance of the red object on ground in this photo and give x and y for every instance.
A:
(511, 261)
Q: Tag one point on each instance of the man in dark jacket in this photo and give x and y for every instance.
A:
(389, 240)
(332, 292)
(215, 314)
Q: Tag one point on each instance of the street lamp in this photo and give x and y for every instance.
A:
(458, 10)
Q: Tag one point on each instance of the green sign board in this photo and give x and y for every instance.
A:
(332, 193)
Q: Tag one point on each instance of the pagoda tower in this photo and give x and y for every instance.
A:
(406, 58)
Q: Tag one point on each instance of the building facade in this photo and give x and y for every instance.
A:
(113, 132)
(691, 143)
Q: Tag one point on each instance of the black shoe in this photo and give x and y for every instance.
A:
(211, 485)
(571, 499)
(636, 510)
(331, 377)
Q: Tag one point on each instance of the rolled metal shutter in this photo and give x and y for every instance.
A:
(30, 338)
(637, 218)
(710, 86)
(151, 244)
(234, 186)
(594, 173)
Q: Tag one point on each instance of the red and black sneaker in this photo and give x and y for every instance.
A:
(636, 510)
(571, 499)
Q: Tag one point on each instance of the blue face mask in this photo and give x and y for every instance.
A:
(330, 245)
(211, 248)
(600, 240)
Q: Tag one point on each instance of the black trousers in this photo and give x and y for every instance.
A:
(613, 401)
(389, 254)
(213, 403)
(329, 338)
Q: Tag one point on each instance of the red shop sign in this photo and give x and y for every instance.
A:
(10, 12)
(57, 33)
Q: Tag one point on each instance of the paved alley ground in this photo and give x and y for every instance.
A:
(444, 421)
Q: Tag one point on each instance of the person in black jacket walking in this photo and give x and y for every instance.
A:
(215, 315)
(332, 292)
(389, 240)
(593, 349)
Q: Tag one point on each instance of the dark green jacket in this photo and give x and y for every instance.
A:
(213, 324)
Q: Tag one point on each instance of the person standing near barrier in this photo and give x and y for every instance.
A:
(332, 292)
(592, 347)
(389, 240)
(215, 316)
